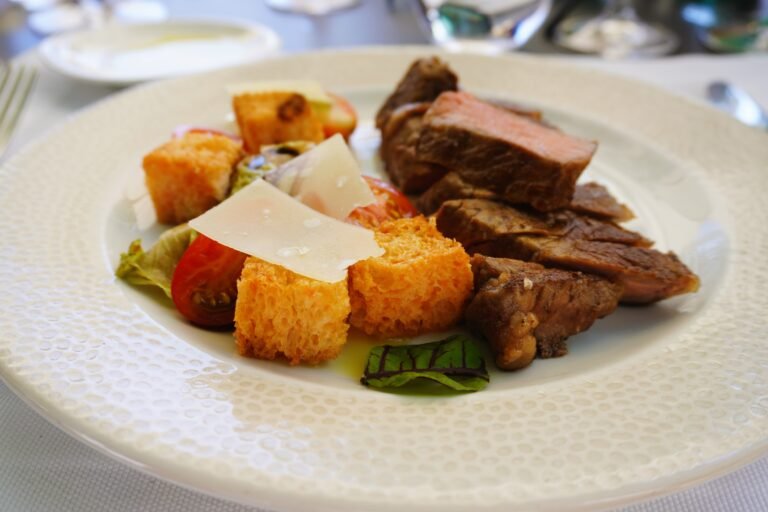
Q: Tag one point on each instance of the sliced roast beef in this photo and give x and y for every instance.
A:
(398, 150)
(511, 155)
(567, 240)
(524, 309)
(582, 227)
(519, 109)
(451, 186)
(595, 200)
(473, 221)
(424, 81)
(399, 117)
(647, 275)
(590, 199)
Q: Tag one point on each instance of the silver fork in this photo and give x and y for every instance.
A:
(15, 85)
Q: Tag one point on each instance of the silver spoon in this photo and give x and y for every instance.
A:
(738, 103)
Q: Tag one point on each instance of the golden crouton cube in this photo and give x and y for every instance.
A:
(281, 314)
(275, 117)
(190, 175)
(420, 284)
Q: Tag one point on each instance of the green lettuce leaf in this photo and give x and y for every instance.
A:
(456, 362)
(155, 267)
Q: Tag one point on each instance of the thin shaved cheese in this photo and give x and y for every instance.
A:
(311, 90)
(262, 221)
(326, 178)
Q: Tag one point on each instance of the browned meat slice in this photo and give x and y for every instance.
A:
(568, 240)
(451, 186)
(517, 108)
(590, 199)
(646, 274)
(523, 308)
(515, 157)
(401, 115)
(473, 221)
(594, 199)
(424, 81)
(398, 150)
(581, 227)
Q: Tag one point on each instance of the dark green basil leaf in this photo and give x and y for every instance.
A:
(456, 362)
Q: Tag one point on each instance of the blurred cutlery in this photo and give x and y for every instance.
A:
(737, 102)
(15, 85)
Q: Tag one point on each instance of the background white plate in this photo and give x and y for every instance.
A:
(649, 400)
(131, 53)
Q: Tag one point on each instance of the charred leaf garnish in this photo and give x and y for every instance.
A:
(456, 362)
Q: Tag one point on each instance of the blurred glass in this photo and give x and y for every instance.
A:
(711, 13)
(747, 37)
(489, 26)
(311, 7)
(36, 5)
(53, 17)
(617, 32)
(729, 26)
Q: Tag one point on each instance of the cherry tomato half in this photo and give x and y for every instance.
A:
(183, 129)
(390, 204)
(204, 284)
(341, 118)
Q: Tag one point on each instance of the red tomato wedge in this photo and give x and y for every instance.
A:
(390, 204)
(183, 129)
(204, 284)
(341, 118)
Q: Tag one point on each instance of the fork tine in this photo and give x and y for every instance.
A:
(24, 95)
(14, 102)
(6, 74)
(8, 100)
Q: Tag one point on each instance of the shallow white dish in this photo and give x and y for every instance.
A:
(131, 53)
(650, 400)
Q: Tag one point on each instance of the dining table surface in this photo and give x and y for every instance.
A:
(44, 469)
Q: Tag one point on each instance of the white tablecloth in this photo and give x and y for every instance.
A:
(43, 469)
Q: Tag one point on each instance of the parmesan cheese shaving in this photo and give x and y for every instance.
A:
(264, 222)
(326, 178)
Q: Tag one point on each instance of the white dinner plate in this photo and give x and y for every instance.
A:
(650, 400)
(127, 54)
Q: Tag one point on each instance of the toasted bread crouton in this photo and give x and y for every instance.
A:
(281, 314)
(274, 117)
(420, 284)
(190, 175)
